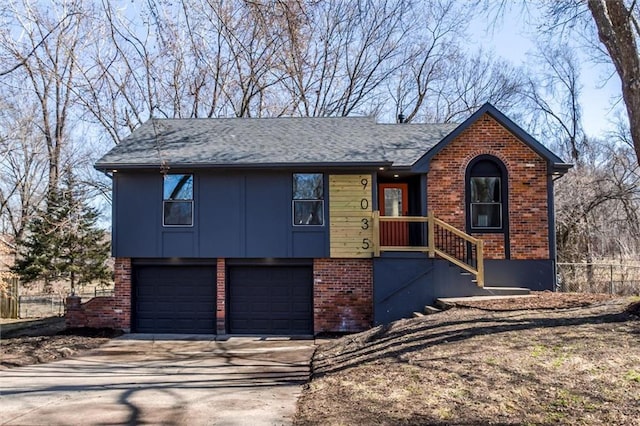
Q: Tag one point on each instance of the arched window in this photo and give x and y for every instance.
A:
(486, 194)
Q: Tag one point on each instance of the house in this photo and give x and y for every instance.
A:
(311, 225)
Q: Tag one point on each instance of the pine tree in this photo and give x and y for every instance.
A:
(85, 247)
(39, 251)
(63, 242)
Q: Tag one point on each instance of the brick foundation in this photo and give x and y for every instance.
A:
(342, 295)
(112, 312)
(527, 188)
(342, 298)
(221, 278)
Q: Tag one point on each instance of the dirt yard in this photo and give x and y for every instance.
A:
(548, 359)
(46, 340)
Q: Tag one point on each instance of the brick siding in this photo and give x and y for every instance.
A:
(342, 295)
(111, 312)
(527, 186)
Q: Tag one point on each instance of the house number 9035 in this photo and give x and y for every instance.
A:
(364, 222)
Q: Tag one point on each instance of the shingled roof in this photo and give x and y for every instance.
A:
(210, 142)
(297, 142)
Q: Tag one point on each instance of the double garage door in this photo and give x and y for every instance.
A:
(260, 299)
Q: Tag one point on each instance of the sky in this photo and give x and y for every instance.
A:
(512, 40)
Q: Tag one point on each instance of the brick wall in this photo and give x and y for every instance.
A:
(111, 312)
(221, 278)
(342, 295)
(527, 186)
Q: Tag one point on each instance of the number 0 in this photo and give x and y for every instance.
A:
(364, 204)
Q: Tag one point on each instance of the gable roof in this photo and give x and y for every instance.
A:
(556, 165)
(295, 142)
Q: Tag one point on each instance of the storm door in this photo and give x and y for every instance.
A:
(393, 199)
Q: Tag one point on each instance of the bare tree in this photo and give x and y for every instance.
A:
(46, 49)
(472, 81)
(554, 89)
(619, 30)
(23, 167)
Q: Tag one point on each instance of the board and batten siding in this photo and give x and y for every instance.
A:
(350, 212)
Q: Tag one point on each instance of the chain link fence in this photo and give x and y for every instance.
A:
(611, 278)
(40, 306)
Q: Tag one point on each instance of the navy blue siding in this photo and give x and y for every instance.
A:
(236, 214)
(268, 215)
(536, 275)
(405, 283)
(135, 223)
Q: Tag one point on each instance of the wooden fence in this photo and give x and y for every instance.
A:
(9, 303)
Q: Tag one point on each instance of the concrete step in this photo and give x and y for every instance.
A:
(445, 303)
(507, 291)
(429, 310)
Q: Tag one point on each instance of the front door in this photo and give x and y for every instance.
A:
(394, 201)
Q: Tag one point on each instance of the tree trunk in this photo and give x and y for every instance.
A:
(616, 32)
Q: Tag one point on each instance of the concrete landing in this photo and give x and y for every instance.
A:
(450, 302)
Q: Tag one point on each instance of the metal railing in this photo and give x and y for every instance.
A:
(613, 278)
(430, 235)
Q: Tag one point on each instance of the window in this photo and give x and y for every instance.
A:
(178, 200)
(308, 199)
(486, 205)
(486, 195)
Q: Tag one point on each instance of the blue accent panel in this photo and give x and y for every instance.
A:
(236, 215)
(137, 199)
(309, 244)
(268, 215)
(536, 275)
(406, 283)
(220, 204)
(178, 244)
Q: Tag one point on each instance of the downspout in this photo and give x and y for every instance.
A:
(551, 220)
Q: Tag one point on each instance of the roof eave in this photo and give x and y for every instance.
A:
(560, 169)
(288, 165)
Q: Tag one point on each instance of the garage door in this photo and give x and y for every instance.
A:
(271, 300)
(174, 299)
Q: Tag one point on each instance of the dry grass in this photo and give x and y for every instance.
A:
(467, 366)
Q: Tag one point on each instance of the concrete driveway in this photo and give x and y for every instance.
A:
(162, 380)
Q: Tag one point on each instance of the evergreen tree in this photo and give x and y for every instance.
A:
(39, 251)
(63, 242)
